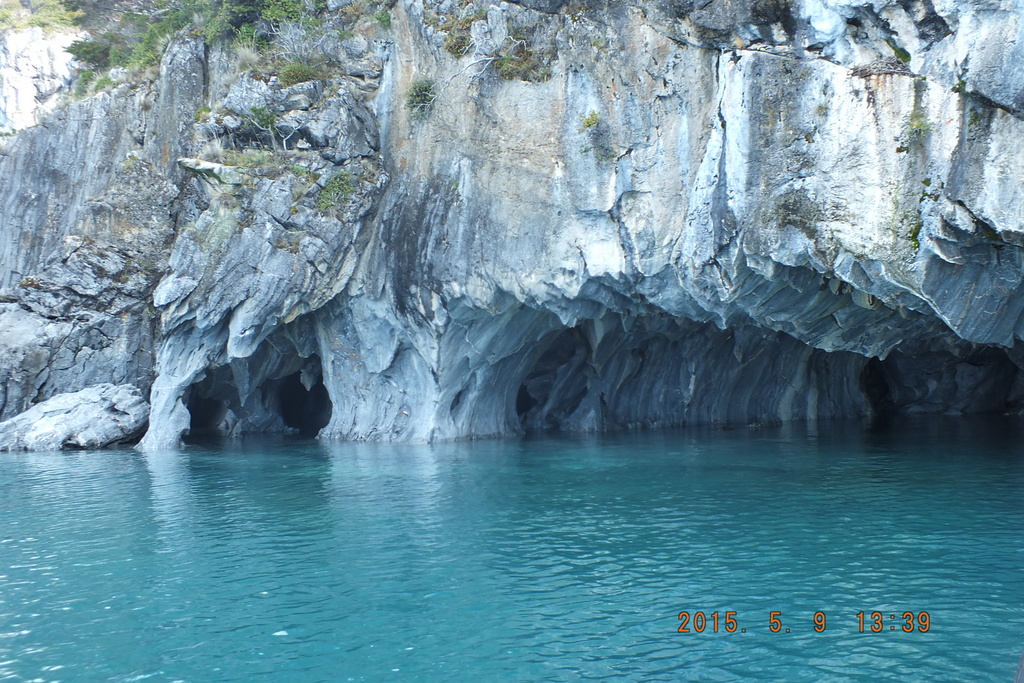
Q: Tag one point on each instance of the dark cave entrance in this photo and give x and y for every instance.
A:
(610, 374)
(875, 385)
(553, 393)
(292, 400)
(208, 416)
(209, 402)
(983, 380)
(305, 410)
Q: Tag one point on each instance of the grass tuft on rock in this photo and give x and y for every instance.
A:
(296, 72)
(337, 190)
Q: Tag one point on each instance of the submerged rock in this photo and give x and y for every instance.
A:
(94, 417)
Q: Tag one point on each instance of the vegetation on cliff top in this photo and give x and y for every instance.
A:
(134, 39)
(45, 14)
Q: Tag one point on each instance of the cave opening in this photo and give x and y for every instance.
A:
(208, 416)
(304, 410)
(287, 397)
(614, 373)
(553, 390)
(209, 406)
(876, 388)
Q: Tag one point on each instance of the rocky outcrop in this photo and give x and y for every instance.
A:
(82, 320)
(89, 201)
(595, 215)
(94, 417)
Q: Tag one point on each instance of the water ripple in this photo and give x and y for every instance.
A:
(555, 559)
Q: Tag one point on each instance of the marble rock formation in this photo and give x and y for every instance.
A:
(536, 215)
(94, 417)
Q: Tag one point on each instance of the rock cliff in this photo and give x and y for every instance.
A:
(483, 218)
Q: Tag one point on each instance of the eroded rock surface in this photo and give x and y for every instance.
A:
(601, 215)
(94, 417)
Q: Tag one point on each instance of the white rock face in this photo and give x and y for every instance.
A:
(94, 417)
(34, 68)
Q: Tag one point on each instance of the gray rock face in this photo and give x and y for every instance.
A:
(88, 208)
(94, 417)
(736, 212)
(104, 168)
(82, 320)
(543, 5)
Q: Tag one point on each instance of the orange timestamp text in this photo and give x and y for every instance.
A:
(867, 622)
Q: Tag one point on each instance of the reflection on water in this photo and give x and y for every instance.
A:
(543, 559)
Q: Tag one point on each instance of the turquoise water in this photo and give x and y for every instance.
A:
(543, 559)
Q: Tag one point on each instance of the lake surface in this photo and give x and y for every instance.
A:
(542, 559)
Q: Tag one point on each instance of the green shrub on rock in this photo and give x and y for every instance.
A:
(91, 52)
(49, 15)
(523, 64)
(420, 98)
(85, 77)
(150, 48)
(263, 117)
(297, 72)
(589, 121)
(282, 10)
(337, 190)
(457, 44)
